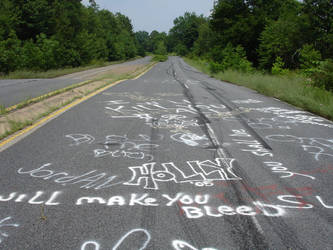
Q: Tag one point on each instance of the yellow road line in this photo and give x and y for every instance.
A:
(144, 72)
(65, 108)
(56, 113)
(50, 94)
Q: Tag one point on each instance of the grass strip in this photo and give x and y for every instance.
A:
(293, 88)
(27, 74)
(43, 97)
(16, 126)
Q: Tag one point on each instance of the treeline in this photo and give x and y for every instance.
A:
(50, 34)
(274, 36)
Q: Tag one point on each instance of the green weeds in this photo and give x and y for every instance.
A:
(3, 110)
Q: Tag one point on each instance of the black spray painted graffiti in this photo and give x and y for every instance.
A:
(315, 146)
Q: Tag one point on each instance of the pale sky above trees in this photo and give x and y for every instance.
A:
(157, 15)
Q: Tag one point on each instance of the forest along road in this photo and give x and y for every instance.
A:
(172, 160)
(15, 91)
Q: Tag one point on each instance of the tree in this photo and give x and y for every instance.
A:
(160, 48)
(142, 39)
(206, 40)
(241, 22)
(186, 29)
(319, 17)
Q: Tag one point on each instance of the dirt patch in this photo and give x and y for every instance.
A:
(11, 121)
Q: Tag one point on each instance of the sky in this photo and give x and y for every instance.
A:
(149, 15)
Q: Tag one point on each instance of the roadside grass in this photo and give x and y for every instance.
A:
(28, 101)
(292, 88)
(3, 109)
(15, 126)
(29, 74)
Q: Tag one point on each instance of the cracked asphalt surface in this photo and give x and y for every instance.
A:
(172, 160)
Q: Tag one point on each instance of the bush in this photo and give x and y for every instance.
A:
(49, 49)
(10, 51)
(181, 50)
(160, 58)
(229, 58)
(215, 67)
(309, 57)
(278, 67)
(31, 56)
(323, 75)
(161, 49)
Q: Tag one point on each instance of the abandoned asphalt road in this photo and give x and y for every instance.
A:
(172, 160)
(15, 91)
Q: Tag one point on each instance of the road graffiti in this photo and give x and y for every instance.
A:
(4, 225)
(199, 173)
(278, 167)
(255, 147)
(38, 198)
(148, 175)
(145, 200)
(240, 133)
(319, 147)
(167, 114)
(80, 139)
(191, 139)
(89, 180)
(144, 241)
(247, 101)
(120, 146)
(295, 117)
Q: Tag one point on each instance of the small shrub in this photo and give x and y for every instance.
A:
(161, 49)
(230, 58)
(215, 67)
(10, 51)
(181, 50)
(309, 57)
(322, 76)
(160, 58)
(278, 67)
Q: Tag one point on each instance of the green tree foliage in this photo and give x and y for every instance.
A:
(205, 41)
(279, 67)
(10, 49)
(241, 22)
(45, 34)
(155, 39)
(230, 58)
(186, 30)
(143, 42)
(318, 15)
(309, 57)
(160, 48)
(322, 76)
